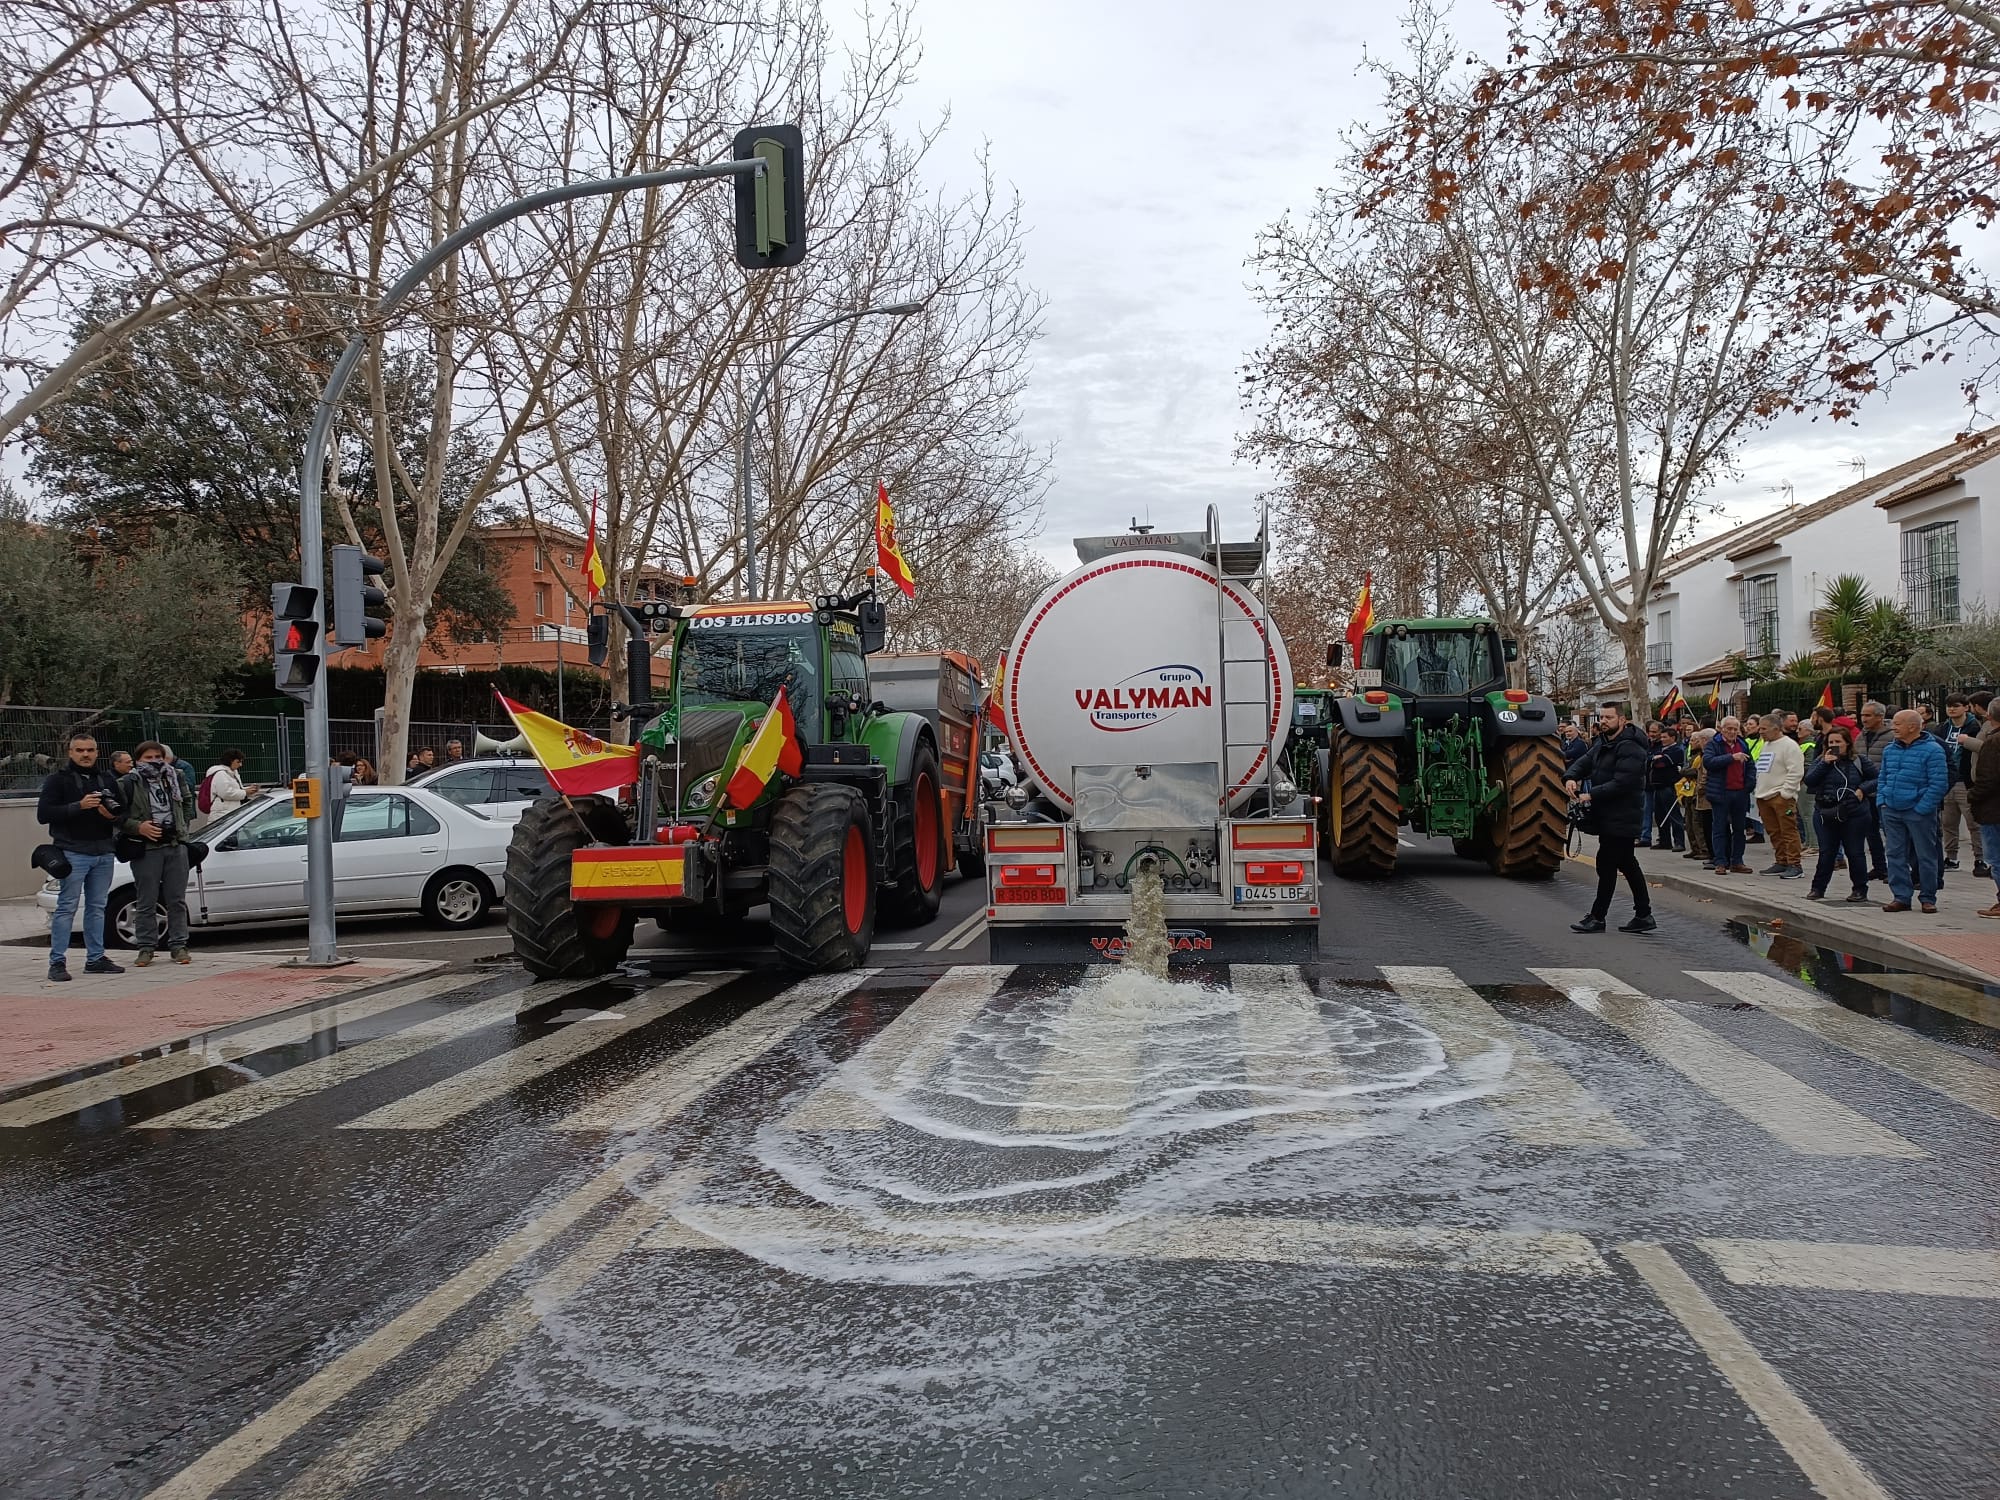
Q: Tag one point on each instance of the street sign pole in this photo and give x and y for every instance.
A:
(321, 950)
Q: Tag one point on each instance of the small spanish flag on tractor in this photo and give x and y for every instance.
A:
(888, 552)
(1361, 619)
(773, 748)
(577, 763)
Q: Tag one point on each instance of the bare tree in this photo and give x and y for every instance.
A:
(974, 603)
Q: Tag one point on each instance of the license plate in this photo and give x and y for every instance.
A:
(1260, 893)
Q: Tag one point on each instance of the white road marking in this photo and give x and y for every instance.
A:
(663, 1091)
(1905, 1270)
(972, 935)
(1287, 1049)
(1163, 1237)
(952, 938)
(1833, 1471)
(1972, 1084)
(894, 947)
(210, 1051)
(1092, 1068)
(263, 1435)
(1795, 1113)
(1537, 1102)
(449, 1098)
(905, 1051)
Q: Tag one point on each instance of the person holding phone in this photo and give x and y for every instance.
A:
(1841, 784)
(80, 804)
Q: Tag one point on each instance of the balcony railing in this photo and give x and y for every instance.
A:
(1660, 657)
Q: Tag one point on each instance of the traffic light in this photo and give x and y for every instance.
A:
(771, 205)
(295, 638)
(354, 594)
(597, 635)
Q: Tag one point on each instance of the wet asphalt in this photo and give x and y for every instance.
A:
(1256, 1233)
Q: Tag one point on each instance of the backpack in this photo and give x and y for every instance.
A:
(204, 796)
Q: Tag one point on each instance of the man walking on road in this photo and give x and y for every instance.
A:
(1910, 789)
(1781, 767)
(1616, 771)
(160, 811)
(1732, 776)
(80, 805)
(1868, 744)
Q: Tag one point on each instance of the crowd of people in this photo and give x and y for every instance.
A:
(1883, 796)
(141, 807)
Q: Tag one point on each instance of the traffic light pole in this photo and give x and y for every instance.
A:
(321, 950)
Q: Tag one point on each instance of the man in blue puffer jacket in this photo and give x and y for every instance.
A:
(1909, 790)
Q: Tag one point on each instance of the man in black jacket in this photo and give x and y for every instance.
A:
(1616, 771)
(81, 806)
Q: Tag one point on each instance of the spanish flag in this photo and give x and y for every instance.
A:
(1826, 697)
(1361, 619)
(1715, 695)
(774, 747)
(593, 564)
(1675, 704)
(577, 763)
(888, 554)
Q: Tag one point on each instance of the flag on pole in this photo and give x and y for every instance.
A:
(1826, 697)
(593, 565)
(1675, 705)
(577, 763)
(1715, 695)
(888, 554)
(1361, 619)
(773, 748)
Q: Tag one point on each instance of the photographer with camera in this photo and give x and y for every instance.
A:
(81, 804)
(1614, 768)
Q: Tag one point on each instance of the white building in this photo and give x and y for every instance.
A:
(1925, 533)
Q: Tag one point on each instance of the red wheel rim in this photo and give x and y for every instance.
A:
(854, 880)
(601, 921)
(927, 833)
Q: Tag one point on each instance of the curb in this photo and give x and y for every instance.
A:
(1810, 924)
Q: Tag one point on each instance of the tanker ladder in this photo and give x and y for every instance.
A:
(1240, 644)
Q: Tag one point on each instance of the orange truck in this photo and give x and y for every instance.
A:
(947, 689)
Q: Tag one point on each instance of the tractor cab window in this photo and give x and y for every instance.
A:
(847, 668)
(1438, 663)
(737, 659)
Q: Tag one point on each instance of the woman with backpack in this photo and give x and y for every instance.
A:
(1842, 784)
(222, 789)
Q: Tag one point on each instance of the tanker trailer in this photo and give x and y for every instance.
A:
(1147, 696)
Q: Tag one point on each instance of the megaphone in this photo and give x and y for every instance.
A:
(484, 745)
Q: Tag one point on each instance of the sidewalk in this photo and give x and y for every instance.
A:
(50, 1029)
(1956, 942)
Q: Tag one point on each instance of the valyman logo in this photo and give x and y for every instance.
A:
(1145, 698)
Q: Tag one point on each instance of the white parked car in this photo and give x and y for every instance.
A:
(501, 787)
(998, 766)
(399, 849)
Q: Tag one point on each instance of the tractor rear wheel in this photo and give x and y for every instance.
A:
(821, 878)
(553, 937)
(1363, 807)
(1530, 822)
(923, 849)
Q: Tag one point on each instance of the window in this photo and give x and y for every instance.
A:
(541, 559)
(569, 606)
(1759, 599)
(1930, 573)
(569, 559)
(466, 788)
(541, 599)
(385, 816)
(520, 784)
(273, 828)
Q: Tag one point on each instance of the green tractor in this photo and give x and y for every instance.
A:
(1433, 738)
(862, 826)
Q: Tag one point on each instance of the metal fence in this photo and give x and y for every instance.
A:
(35, 741)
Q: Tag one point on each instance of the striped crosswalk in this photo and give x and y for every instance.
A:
(1285, 1052)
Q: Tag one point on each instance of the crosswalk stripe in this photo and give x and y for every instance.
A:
(212, 1051)
(460, 1094)
(1287, 1049)
(960, 933)
(1164, 1237)
(1795, 1113)
(1537, 1102)
(1972, 1084)
(663, 1091)
(1907, 1270)
(908, 1049)
(1957, 996)
(1090, 1071)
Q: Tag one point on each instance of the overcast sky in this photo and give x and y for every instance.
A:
(1150, 143)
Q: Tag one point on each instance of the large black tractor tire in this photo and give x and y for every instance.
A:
(553, 937)
(1364, 808)
(1530, 822)
(821, 878)
(1323, 800)
(972, 858)
(923, 849)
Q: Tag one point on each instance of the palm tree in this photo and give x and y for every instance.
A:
(1841, 622)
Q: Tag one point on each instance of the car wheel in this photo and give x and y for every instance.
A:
(121, 920)
(457, 898)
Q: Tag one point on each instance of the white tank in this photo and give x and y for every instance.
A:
(1117, 664)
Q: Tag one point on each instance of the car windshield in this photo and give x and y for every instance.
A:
(723, 661)
(1434, 663)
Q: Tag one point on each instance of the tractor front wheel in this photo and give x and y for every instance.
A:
(923, 852)
(1363, 807)
(1530, 822)
(821, 878)
(553, 937)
